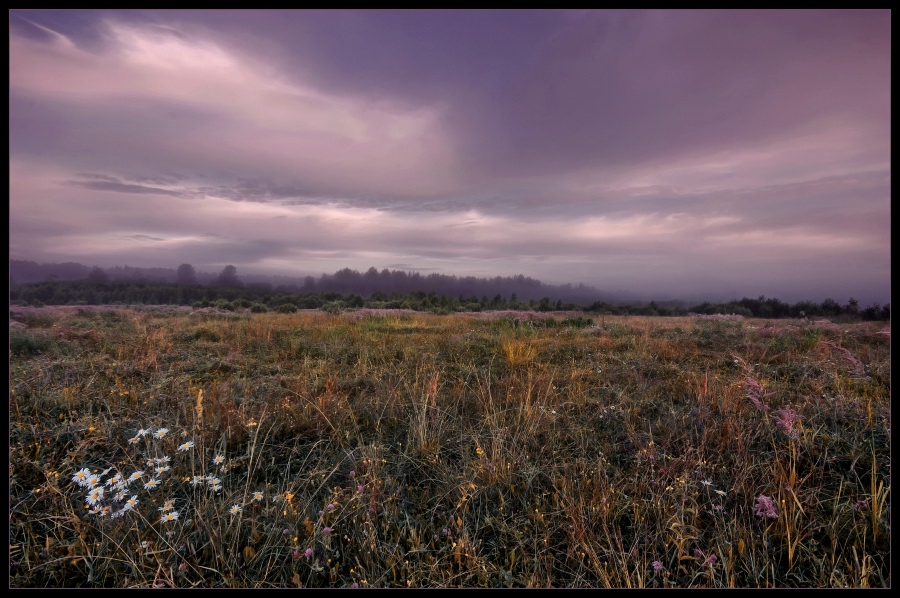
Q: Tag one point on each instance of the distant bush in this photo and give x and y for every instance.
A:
(287, 308)
(224, 304)
(23, 343)
(258, 308)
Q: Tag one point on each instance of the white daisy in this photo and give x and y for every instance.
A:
(81, 476)
(95, 495)
(151, 484)
(170, 516)
(186, 446)
(161, 433)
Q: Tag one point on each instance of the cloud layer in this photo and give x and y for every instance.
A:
(699, 154)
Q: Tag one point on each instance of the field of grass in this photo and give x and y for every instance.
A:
(393, 449)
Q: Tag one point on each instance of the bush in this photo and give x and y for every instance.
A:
(258, 308)
(23, 343)
(226, 305)
(287, 308)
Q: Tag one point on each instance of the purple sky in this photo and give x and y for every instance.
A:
(672, 154)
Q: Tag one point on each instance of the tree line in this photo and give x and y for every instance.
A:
(348, 289)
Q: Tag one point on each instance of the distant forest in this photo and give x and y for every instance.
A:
(76, 284)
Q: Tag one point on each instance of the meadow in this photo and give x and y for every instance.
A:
(183, 447)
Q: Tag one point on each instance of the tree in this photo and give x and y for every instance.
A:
(186, 275)
(98, 276)
(228, 278)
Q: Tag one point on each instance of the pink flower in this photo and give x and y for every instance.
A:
(308, 552)
(326, 530)
(786, 418)
(765, 507)
(657, 566)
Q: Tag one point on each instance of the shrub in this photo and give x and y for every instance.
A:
(23, 343)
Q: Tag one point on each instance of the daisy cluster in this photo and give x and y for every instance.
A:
(115, 496)
(109, 497)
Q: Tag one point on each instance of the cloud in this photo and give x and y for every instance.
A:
(654, 151)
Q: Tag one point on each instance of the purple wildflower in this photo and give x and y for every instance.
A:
(765, 507)
(787, 418)
(657, 566)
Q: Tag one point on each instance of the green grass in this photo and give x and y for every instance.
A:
(416, 450)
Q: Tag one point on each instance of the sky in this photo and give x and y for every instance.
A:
(694, 155)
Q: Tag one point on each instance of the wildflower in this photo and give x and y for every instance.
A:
(163, 459)
(151, 484)
(657, 566)
(257, 496)
(81, 477)
(352, 473)
(330, 507)
(765, 507)
(235, 509)
(95, 495)
(215, 487)
(706, 482)
(213, 481)
(115, 480)
(168, 505)
(119, 496)
(143, 432)
(326, 530)
(92, 480)
(135, 476)
(163, 469)
(130, 503)
(721, 493)
(170, 516)
(308, 552)
(186, 446)
(161, 433)
(133, 440)
(360, 488)
(711, 560)
(786, 419)
(218, 459)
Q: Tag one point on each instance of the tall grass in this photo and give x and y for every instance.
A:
(411, 450)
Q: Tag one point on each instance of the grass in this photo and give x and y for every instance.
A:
(396, 449)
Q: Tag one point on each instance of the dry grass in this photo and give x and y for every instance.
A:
(410, 450)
